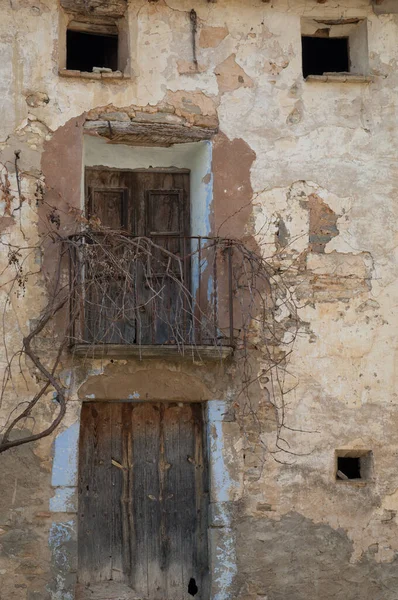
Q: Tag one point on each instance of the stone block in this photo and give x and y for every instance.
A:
(210, 121)
(37, 99)
(159, 117)
(338, 264)
(114, 116)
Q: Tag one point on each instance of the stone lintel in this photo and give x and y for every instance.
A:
(96, 8)
(148, 134)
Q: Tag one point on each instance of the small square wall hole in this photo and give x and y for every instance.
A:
(325, 55)
(353, 465)
(84, 51)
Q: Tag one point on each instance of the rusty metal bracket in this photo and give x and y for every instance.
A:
(194, 22)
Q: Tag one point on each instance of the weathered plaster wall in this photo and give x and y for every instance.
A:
(306, 168)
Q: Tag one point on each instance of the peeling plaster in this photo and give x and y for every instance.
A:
(64, 473)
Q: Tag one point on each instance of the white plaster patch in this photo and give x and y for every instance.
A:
(64, 473)
(64, 500)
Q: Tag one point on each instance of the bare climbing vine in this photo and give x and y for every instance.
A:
(108, 287)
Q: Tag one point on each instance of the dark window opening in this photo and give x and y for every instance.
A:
(87, 50)
(324, 55)
(353, 464)
(192, 587)
(348, 467)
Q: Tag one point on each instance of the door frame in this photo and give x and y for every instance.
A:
(222, 436)
(84, 590)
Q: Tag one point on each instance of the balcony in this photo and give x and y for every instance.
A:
(163, 295)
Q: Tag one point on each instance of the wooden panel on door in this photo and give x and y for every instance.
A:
(163, 210)
(108, 197)
(109, 206)
(143, 501)
(109, 314)
(96, 503)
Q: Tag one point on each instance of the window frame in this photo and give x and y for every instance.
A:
(99, 26)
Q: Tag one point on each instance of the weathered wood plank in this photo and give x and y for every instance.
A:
(95, 498)
(191, 353)
(187, 499)
(174, 580)
(201, 558)
(139, 554)
(119, 474)
(148, 134)
(154, 502)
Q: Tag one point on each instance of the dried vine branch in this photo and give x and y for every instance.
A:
(113, 288)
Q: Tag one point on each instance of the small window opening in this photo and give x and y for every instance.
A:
(84, 51)
(353, 464)
(325, 55)
(192, 587)
(348, 468)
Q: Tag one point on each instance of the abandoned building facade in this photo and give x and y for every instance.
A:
(198, 282)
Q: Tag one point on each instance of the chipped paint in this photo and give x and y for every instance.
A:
(64, 472)
(64, 500)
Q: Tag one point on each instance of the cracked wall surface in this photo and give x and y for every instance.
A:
(304, 170)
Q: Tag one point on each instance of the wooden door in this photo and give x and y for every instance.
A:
(156, 205)
(142, 502)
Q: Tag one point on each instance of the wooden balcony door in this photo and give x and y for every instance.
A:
(142, 529)
(154, 204)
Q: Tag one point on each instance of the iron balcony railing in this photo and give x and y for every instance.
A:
(163, 289)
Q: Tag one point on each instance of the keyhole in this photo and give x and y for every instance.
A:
(192, 587)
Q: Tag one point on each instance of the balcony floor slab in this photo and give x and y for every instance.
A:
(193, 353)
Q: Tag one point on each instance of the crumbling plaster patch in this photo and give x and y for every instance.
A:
(230, 76)
(211, 37)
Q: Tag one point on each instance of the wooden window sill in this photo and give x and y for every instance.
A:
(115, 75)
(340, 78)
(120, 351)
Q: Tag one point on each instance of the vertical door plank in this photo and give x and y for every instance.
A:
(147, 577)
(172, 504)
(154, 502)
(187, 497)
(95, 562)
(139, 566)
(119, 475)
(200, 550)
